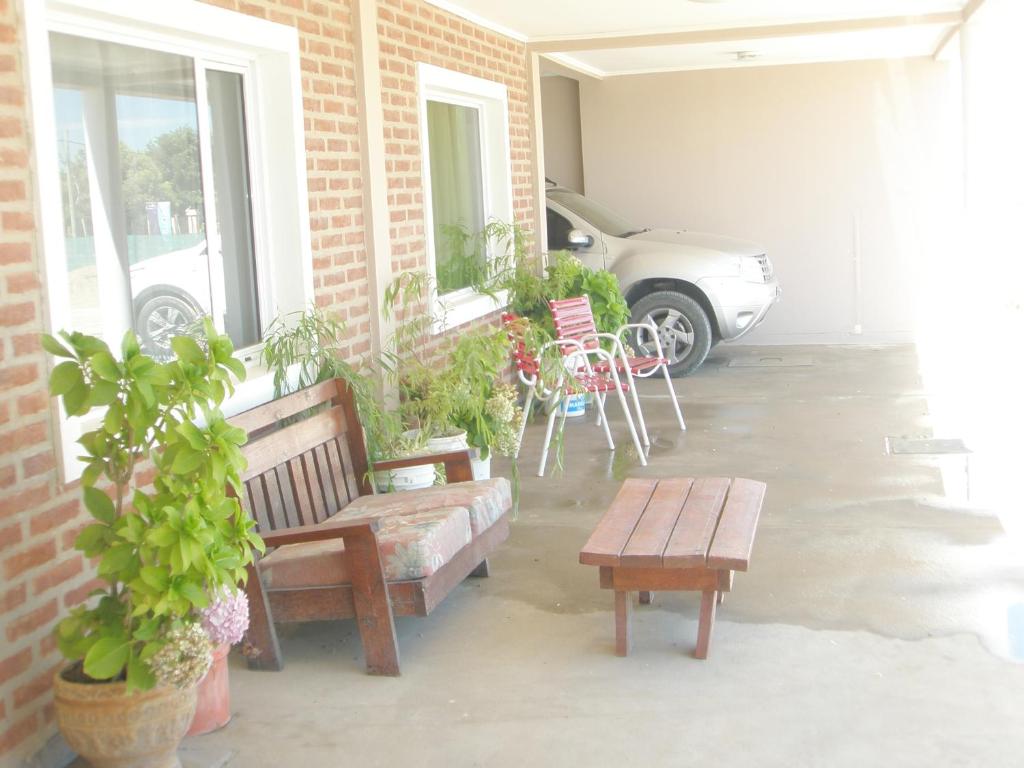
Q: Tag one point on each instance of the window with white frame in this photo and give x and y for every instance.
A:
(159, 142)
(467, 183)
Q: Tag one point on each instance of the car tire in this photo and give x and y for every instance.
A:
(159, 317)
(684, 330)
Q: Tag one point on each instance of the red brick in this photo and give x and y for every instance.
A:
(11, 127)
(80, 594)
(29, 558)
(17, 314)
(10, 536)
(11, 190)
(26, 499)
(16, 220)
(35, 687)
(15, 253)
(39, 464)
(33, 403)
(20, 439)
(26, 344)
(57, 574)
(18, 375)
(8, 476)
(12, 598)
(32, 621)
(18, 732)
(15, 664)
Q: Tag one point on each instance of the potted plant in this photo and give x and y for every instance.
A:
(299, 349)
(166, 535)
(225, 621)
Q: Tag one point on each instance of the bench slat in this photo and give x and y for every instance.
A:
(292, 441)
(646, 545)
(734, 538)
(611, 534)
(692, 537)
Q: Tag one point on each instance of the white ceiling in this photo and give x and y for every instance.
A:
(585, 26)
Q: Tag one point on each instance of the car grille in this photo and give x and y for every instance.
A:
(766, 267)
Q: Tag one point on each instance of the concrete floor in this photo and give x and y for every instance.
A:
(879, 622)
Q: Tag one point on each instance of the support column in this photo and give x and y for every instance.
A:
(540, 219)
(376, 222)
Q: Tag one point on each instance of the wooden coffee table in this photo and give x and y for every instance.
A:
(674, 534)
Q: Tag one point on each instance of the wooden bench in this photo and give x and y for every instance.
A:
(674, 534)
(307, 464)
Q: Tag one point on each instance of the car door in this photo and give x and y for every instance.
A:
(560, 223)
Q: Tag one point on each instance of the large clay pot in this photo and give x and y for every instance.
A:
(213, 700)
(113, 729)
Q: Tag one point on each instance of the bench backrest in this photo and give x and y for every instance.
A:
(306, 454)
(574, 319)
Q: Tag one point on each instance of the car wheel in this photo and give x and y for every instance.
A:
(160, 318)
(682, 327)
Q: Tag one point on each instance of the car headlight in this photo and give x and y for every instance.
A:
(752, 269)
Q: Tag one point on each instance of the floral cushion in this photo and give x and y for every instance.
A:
(411, 545)
(486, 500)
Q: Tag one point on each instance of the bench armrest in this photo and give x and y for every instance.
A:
(457, 467)
(300, 534)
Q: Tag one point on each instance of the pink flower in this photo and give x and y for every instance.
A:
(226, 618)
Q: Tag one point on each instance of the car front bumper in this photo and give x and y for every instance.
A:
(740, 306)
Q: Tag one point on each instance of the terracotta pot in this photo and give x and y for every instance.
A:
(213, 700)
(114, 729)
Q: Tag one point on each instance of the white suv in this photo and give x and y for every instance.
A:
(697, 289)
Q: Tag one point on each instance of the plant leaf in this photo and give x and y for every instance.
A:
(65, 376)
(107, 657)
(54, 347)
(100, 505)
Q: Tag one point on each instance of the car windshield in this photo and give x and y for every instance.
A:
(597, 215)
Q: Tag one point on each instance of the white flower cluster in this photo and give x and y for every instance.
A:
(185, 658)
(503, 408)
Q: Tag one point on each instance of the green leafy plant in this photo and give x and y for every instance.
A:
(163, 548)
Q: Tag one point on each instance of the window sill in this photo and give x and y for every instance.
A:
(460, 307)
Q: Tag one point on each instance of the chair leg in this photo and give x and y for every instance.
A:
(526, 415)
(547, 436)
(261, 636)
(602, 419)
(372, 604)
(636, 404)
(674, 397)
(632, 428)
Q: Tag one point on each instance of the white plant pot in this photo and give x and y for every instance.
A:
(481, 468)
(448, 444)
(405, 479)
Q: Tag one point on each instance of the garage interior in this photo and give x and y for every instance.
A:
(874, 148)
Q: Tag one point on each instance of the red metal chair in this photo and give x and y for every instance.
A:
(584, 378)
(574, 319)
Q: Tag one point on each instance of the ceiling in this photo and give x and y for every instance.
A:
(606, 38)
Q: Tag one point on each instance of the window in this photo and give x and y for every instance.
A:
(559, 228)
(467, 180)
(152, 154)
(158, 146)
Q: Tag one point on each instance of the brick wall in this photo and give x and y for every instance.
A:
(41, 575)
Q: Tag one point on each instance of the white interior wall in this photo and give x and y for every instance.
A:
(563, 148)
(847, 173)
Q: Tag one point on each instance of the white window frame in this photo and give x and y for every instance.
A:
(491, 100)
(267, 54)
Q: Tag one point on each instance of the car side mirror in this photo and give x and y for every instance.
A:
(579, 239)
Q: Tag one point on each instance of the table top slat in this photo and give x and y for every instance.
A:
(688, 546)
(652, 533)
(613, 531)
(737, 525)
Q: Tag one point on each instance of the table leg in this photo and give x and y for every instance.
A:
(623, 628)
(646, 598)
(708, 602)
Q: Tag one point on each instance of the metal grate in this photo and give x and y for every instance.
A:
(766, 267)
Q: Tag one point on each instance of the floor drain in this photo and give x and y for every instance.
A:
(771, 361)
(925, 445)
